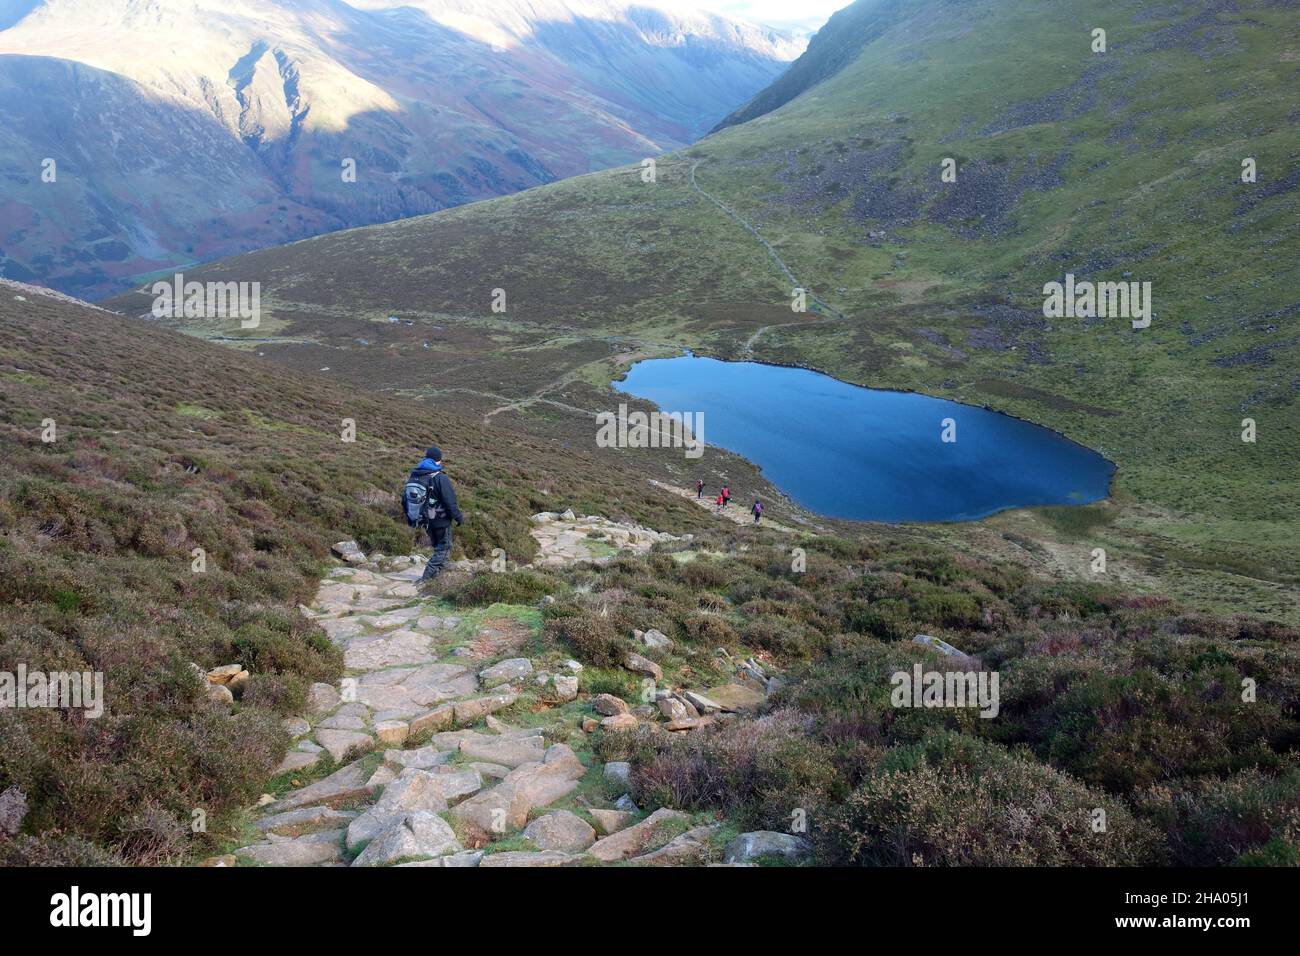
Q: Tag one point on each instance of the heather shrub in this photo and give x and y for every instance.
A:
(523, 586)
(759, 772)
(710, 630)
(1247, 818)
(956, 801)
(705, 574)
(593, 640)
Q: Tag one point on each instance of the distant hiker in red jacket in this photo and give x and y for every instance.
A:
(726, 494)
(757, 510)
(722, 502)
(699, 489)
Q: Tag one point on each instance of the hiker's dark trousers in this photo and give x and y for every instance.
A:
(440, 538)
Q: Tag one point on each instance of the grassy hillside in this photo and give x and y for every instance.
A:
(163, 445)
(1110, 700)
(1117, 165)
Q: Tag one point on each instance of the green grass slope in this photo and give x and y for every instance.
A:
(1109, 700)
(163, 445)
(1117, 165)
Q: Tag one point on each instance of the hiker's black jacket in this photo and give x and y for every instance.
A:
(440, 487)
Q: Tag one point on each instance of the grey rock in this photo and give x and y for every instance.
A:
(416, 834)
(760, 843)
(609, 705)
(340, 743)
(643, 665)
(560, 830)
(566, 686)
(313, 849)
(304, 820)
(344, 784)
(412, 790)
(703, 704)
(626, 804)
(525, 858)
(505, 671)
(656, 640)
(295, 726)
(619, 773)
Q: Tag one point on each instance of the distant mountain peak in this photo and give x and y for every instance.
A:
(185, 130)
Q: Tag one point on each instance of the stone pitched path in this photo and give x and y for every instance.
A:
(427, 775)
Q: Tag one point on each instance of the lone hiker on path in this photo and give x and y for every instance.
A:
(726, 494)
(699, 488)
(429, 502)
(757, 510)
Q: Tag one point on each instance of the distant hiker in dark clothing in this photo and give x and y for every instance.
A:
(699, 489)
(757, 510)
(429, 502)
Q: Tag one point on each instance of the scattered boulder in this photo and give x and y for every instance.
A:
(422, 758)
(312, 849)
(560, 830)
(294, 823)
(505, 671)
(340, 743)
(672, 708)
(688, 723)
(687, 849)
(636, 838)
(943, 647)
(704, 705)
(619, 773)
(656, 640)
(526, 858)
(627, 804)
(565, 686)
(226, 673)
(392, 732)
(610, 821)
(469, 711)
(349, 551)
(437, 719)
(609, 705)
(735, 697)
(619, 723)
(750, 846)
(412, 790)
(508, 751)
(643, 665)
(751, 673)
(507, 805)
(296, 726)
(345, 784)
(416, 834)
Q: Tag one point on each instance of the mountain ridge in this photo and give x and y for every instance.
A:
(287, 120)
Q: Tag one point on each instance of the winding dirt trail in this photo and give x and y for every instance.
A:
(749, 228)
